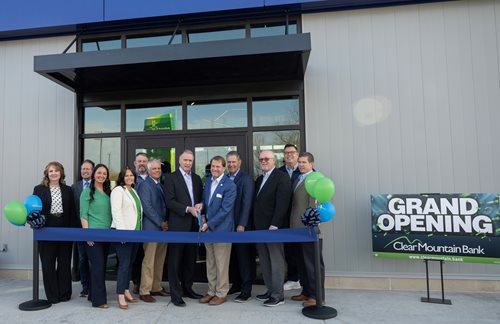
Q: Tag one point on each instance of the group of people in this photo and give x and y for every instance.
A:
(229, 201)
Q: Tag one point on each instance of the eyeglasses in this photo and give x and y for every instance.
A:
(265, 159)
(290, 152)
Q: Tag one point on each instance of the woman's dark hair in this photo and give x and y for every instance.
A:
(107, 183)
(121, 177)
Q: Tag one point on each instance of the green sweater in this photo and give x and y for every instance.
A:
(96, 212)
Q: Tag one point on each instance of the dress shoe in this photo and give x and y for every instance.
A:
(147, 298)
(272, 302)
(178, 302)
(103, 306)
(263, 297)
(205, 299)
(300, 297)
(131, 300)
(122, 306)
(310, 302)
(191, 294)
(234, 290)
(242, 298)
(217, 301)
(162, 292)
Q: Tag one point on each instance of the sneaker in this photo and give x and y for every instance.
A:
(263, 297)
(272, 302)
(84, 293)
(290, 285)
(241, 298)
(234, 290)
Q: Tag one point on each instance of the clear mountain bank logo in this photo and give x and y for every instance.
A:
(404, 244)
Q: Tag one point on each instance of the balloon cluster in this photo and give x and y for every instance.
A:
(17, 212)
(322, 189)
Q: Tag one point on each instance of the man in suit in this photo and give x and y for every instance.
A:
(141, 167)
(270, 207)
(242, 265)
(80, 256)
(291, 168)
(183, 195)
(305, 253)
(141, 173)
(218, 204)
(152, 196)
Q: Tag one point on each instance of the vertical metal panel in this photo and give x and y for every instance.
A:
(37, 127)
(404, 100)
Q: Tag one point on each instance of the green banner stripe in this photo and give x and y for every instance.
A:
(452, 258)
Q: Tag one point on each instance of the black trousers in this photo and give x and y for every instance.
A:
(98, 255)
(292, 263)
(56, 269)
(306, 269)
(181, 265)
(126, 254)
(242, 266)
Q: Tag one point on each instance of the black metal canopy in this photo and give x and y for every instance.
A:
(217, 62)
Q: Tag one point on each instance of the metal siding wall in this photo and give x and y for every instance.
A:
(37, 127)
(438, 65)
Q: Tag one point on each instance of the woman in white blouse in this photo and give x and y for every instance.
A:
(126, 210)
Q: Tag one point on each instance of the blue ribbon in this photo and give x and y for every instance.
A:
(102, 235)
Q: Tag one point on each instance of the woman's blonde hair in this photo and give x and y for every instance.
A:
(58, 166)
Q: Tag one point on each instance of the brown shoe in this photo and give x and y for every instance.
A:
(217, 301)
(205, 299)
(310, 302)
(147, 298)
(300, 297)
(162, 292)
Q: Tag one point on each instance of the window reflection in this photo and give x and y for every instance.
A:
(274, 141)
(154, 118)
(102, 119)
(101, 44)
(217, 115)
(276, 112)
(106, 151)
(203, 155)
(215, 35)
(143, 41)
(276, 29)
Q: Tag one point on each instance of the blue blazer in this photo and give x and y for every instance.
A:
(244, 199)
(220, 209)
(153, 204)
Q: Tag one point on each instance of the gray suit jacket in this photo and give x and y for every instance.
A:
(77, 188)
(300, 201)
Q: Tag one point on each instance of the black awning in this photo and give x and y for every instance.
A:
(217, 62)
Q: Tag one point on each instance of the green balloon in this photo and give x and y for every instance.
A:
(15, 212)
(324, 189)
(310, 181)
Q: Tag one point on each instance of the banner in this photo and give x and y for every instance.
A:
(450, 227)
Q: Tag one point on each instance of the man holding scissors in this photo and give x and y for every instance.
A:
(218, 202)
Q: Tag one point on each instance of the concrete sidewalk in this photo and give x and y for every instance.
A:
(353, 306)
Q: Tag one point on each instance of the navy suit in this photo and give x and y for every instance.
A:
(242, 265)
(219, 210)
(181, 256)
(153, 204)
(154, 208)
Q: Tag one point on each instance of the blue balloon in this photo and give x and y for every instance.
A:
(326, 211)
(32, 202)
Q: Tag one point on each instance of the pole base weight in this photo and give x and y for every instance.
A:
(321, 313)
(435, 300)
(34, 305)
